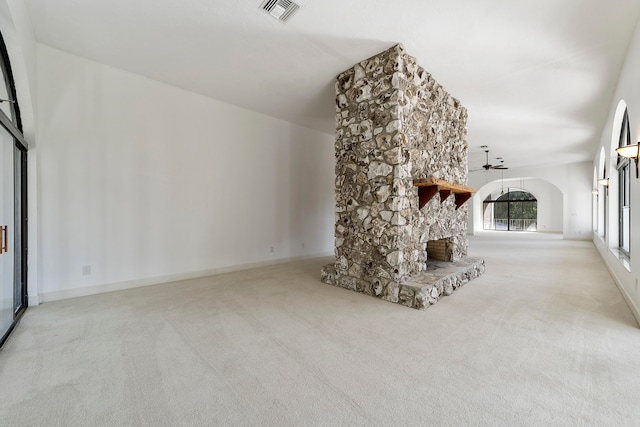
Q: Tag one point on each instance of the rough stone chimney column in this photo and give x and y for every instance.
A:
(394, 123)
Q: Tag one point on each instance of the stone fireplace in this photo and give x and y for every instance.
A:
(401, 174)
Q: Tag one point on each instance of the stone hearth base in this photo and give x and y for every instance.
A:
(420, 291)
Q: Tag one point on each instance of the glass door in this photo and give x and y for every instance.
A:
(7, 233)
(13, 203)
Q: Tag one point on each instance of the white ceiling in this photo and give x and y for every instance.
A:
(537, 76)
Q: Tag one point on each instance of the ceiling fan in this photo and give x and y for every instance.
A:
(487, 165)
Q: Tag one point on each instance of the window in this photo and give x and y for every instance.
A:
(624, 169)
(594, 207)
(605, 203)
(515, 210)
(602, 196)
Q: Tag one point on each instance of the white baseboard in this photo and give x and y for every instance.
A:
(110, 287)
(625, 295)
(623, 291)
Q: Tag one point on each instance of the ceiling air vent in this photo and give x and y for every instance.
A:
(282, 10)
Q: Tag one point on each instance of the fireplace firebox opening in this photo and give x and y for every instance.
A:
(440, 250)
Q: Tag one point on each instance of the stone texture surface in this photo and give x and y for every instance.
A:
(394, 123)
(428, 287)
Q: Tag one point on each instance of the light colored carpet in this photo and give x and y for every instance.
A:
(543, 338)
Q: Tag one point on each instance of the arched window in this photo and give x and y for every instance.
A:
(602, 196)
(624, 208)
(515, 210)
(594, 213)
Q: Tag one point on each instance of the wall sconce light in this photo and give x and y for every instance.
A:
(594, 191)
(630, 152)
(604, 182)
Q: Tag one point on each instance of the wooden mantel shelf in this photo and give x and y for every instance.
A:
(428, 187)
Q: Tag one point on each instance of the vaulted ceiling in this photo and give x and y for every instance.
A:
(537, 76)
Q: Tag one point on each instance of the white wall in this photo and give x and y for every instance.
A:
(572, 180)
(550, 214)
(628, 89)
(145, 182)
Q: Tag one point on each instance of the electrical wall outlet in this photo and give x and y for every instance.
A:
(86, 270)
(272, 249)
